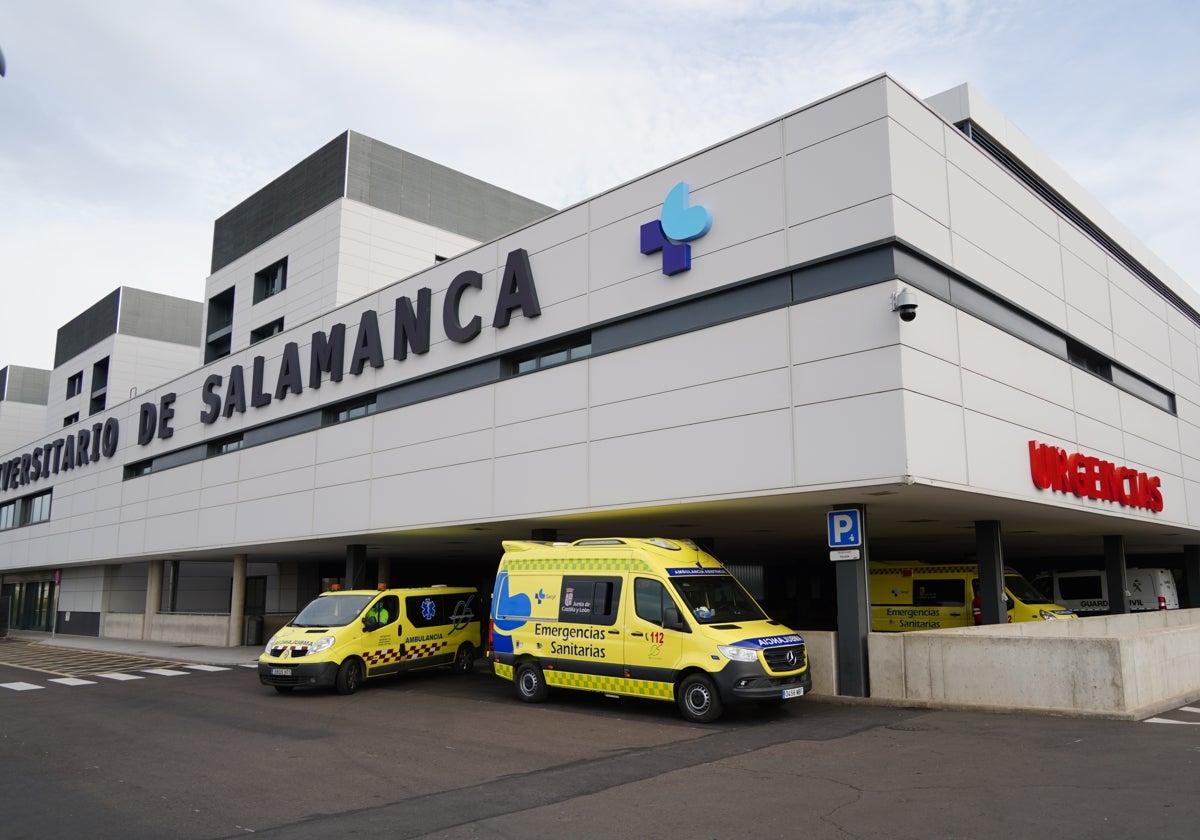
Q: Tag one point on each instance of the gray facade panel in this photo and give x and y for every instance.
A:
(25, 385)
(160, 317)
(85, 330)
(391, 179)
(292, 197)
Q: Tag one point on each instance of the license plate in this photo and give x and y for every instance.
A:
(792, 692)
(281, 672)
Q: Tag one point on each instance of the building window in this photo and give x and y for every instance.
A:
(266, 331)
(138, 469)
(35, 508)
(99, 386)
(8, 515)
(70, 418)
(75, 385)
(217, 342)
(350, 410)
(559, 352)
(224, 445)
(270, 281)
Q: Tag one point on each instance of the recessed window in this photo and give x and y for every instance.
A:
(8, 515)
(75, 385)
(266, 331)
(71, 418)
(138, 469)
(35, 508)
(351, 410)
(270, 281)
(560, 352)
(225, 445)
(218, 341)
(99, 386)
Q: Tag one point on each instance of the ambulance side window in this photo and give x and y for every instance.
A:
(589, 600)
(386, 610)
(944, 592)
(649, 598)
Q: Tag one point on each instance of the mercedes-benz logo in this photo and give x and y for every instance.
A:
(790, 658)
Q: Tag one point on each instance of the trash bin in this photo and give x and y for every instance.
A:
(254, 627)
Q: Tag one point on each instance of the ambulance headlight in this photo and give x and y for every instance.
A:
(323, 643)
(738, 654)
(270, 644)
(1047, 615)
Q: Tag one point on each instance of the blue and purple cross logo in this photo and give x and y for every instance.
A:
(677, 225)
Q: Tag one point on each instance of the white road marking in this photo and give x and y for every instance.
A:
(164, 672)
(120, 676)
(21, 686)
(206, 668)
(72, 681)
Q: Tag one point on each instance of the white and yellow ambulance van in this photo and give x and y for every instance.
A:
(656, 618)
(909, 595)
(344, 637)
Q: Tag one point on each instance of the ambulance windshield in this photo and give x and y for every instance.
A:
(332, 611)
(717, 599)
(1023, 590)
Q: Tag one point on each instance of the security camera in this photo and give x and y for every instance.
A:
(905, 302)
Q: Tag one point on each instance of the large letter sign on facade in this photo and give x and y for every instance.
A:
(1089, 477)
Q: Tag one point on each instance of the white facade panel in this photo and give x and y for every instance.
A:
(836, 115)
(542, 481)
(935, 435)
(734, 455)
(850, 440)
(552, 432)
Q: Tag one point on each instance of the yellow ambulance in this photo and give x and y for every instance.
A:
(909, 595)
(656, 618)
(344, 637)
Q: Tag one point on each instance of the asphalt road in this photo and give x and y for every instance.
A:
(213, 754)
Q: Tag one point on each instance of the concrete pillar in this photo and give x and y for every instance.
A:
(1191, 575)
(356, 567)
(385, 571)
(154, 579)
(1114, 570)
(237, 602)
(990, 555)
(853, 616)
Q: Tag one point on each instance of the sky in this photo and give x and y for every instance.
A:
(127, 127)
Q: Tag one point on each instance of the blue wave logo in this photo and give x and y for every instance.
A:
(679, 223)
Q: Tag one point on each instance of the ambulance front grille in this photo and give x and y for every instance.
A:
(296, 652)
(778, 658)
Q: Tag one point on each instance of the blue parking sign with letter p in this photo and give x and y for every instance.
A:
(844, 531)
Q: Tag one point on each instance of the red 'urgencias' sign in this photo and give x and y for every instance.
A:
(1092, 478)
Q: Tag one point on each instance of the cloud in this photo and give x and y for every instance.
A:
(123, 136)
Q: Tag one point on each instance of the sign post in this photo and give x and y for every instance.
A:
(848, 550)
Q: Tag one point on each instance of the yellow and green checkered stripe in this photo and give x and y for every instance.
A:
(614, 685)
(594, 682)
(559, 563)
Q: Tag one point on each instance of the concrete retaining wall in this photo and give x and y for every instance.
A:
(822, 659)
(1126, 666)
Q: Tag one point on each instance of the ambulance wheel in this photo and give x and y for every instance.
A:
(531, 684)
(349, 676)
(464, 660)
(698, 699)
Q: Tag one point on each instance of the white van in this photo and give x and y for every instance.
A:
(1086, 592)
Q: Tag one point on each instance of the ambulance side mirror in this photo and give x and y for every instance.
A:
(671, 619)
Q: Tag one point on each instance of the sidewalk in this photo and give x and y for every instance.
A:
(195, 654)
